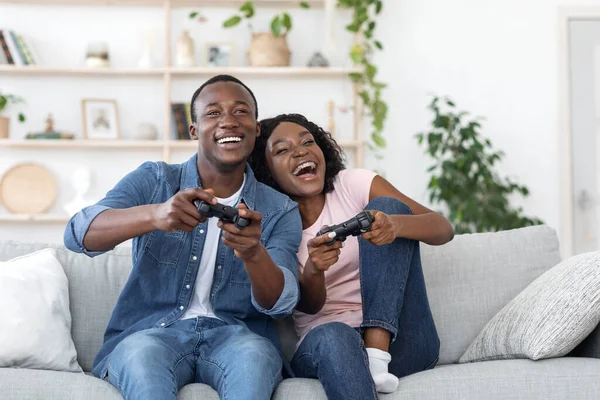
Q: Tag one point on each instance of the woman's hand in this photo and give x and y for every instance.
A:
(383, 230)
(321, 255)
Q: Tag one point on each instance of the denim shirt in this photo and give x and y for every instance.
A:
(165, 264)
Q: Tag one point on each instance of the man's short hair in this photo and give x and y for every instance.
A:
(221, 78)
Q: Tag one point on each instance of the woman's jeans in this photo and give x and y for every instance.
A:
(156, 363)
(394, 297)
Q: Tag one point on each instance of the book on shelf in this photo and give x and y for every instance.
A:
(49, 135)
(181, 119)
(15, 49)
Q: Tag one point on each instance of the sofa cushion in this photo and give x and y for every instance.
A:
(31, 384)
(35, 315)
(94, 285)
(553, 379)
(548, 319)
(472, 277)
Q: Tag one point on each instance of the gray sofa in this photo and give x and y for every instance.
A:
(468, 281)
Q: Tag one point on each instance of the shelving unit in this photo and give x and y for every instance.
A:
(168, 75)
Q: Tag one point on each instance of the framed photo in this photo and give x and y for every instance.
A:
(100, 119)
(219, 54)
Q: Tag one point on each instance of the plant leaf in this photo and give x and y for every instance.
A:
(276, 26)
(194, 14)
(287, 21)
(233, 21)
(304, 4)
(378, 6)
(21, 117)
(378, 45)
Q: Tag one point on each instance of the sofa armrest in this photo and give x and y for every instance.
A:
(590, 347)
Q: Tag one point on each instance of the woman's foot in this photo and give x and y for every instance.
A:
(378, 364)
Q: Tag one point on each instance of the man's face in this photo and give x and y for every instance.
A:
(226, 126)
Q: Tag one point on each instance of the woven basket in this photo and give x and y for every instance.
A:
(267, 50)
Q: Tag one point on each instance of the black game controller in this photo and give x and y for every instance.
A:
(224, 213)
(356, 225)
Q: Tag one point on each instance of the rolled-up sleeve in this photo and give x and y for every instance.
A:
(136, 188)
(283, 247)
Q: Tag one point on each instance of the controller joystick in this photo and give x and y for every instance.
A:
(355, 226)
(223, 212)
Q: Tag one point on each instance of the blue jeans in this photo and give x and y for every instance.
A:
(394, 297)
(156, 363)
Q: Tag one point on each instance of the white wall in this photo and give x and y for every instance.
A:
(496, 58)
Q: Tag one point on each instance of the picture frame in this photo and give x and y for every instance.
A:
(100, 119)
(219, 54)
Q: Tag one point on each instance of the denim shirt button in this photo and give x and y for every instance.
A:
(201, 230)
(194, 258)
(219, 267)
(187, 286)
(162, 324)
(181, 307)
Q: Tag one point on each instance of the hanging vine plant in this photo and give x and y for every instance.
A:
(364, 24)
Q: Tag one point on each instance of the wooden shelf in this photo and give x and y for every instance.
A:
(191, 144)
(49, 218)
(82, 143)
(284, 72)
(174, 3)
(55, 71)
(116, 144)
(267, 71)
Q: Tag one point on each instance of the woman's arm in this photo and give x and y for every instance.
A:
(321, 257)
(424, 225)
(312, 289)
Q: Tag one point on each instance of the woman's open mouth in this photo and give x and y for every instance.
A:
(306, 170)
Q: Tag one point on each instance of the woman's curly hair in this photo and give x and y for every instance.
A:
(334, 155)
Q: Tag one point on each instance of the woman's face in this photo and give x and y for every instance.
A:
(295, 160)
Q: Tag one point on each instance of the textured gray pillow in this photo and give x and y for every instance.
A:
(547, 319)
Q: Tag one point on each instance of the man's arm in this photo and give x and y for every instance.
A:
(273, 270)
(125, 213)
(121, 204)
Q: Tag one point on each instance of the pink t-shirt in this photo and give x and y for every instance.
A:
(342, 280)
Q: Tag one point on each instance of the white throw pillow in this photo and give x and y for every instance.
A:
(548, 319)
(35, 327)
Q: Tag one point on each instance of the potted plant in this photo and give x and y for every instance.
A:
(267, 49)
(5, 99)
(463, 177)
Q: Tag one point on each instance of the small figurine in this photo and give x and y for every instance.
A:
(49, 124)
(49, 132)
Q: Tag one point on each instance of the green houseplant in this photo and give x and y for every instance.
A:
(5, 100)
(364, 13)
(463, 177)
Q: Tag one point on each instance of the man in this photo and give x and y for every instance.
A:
(200, 300)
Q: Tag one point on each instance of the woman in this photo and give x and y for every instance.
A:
(363, 318)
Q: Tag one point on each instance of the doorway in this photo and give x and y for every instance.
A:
(580, 133)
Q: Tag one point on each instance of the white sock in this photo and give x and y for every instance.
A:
(378, 364)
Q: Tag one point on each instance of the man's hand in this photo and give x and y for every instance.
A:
(383, 230)
(244, 242)
(179, 212)
(321, 255)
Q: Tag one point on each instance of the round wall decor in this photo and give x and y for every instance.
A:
(28, 188)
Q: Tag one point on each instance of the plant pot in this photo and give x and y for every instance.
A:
(4, 124)
(266, 50)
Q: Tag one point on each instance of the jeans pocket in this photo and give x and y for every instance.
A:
(164, 248)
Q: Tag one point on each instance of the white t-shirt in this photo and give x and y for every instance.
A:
(200, 305)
